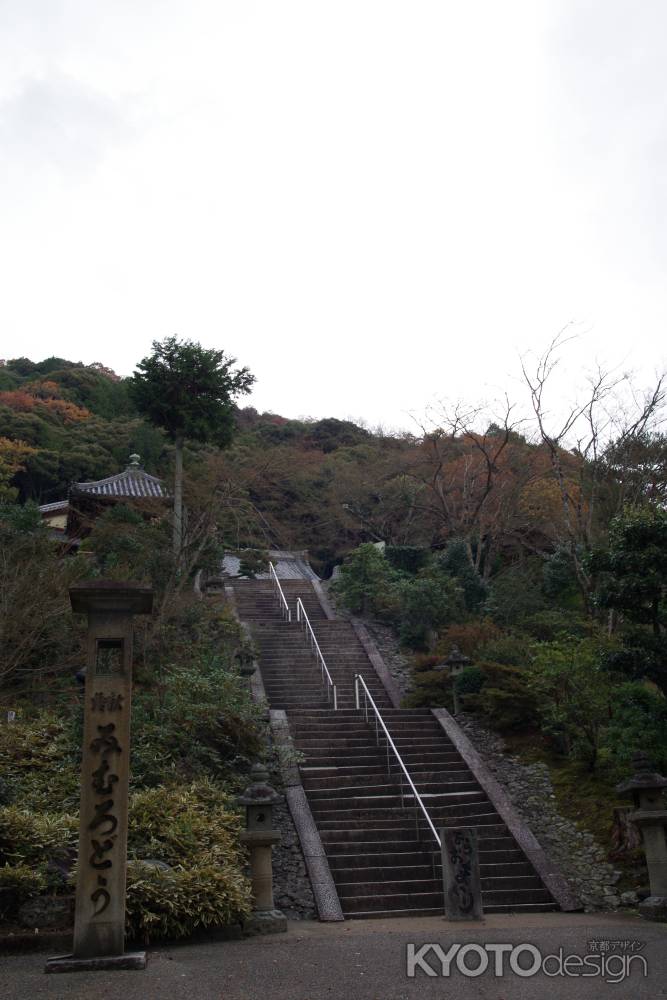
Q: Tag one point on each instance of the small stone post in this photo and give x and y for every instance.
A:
(460, 872)
(646, 788)
(259, 799)
(99, 923)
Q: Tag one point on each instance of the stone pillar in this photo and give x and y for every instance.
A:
(99, 923)
(259, 799)
(460, 871)
(646, 789)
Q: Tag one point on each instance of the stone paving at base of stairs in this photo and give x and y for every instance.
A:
(364, 960)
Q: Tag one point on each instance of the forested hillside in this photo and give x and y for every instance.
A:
(539, 549)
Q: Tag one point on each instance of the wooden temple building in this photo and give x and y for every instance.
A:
(72, 519)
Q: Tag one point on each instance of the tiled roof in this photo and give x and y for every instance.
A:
(132, 482)
(48, 508)
(288, 566)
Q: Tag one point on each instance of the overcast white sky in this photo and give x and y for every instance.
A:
(368, 202)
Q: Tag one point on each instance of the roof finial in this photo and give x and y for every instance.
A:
(134, 462)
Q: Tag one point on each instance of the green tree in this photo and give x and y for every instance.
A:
(573, 693)
(633, 569)
(455, 560)
(429, 602)
(367, 583)
(188, 391)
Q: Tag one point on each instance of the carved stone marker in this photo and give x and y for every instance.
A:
(99, 922)
(460, 872)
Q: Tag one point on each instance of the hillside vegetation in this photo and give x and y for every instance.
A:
(539, 549)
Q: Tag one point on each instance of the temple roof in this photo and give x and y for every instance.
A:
(132, 482)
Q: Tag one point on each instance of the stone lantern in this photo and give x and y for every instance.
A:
(455, 663)
(645, 788)
(259, 799)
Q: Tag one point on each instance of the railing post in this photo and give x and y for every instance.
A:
(335, 699)
(356, 692)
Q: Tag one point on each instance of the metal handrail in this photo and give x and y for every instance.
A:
(358, 679)
(301, 616)
(273, 576)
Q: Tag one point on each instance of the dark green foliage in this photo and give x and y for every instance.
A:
(632, 582)
(252, 562)
(30, 369)
(641, 655)
(511, 650)
(8, 380)
(128, 545)
(638, 722)
(407, 558)
(432, 689)
(554, 623)
(633, 569)
(573, 694)
(417, 605)
(330, 434)
(558, 575)
(38, 632)
(470, 680)
(506, 699)
(368, 584)
(428, 602)
(188, 390)
(456, 561)
(99, 394)
(516, 593)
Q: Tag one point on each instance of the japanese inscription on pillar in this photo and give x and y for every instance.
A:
(460, 868)
(99, 925)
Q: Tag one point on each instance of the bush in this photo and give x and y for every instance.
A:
(470, 680)
(407, 558)
(252, 562)
(516, 592)
(23, 881)
(194, 830)
(573, 692)
(180, 823)
(455, 560)
(506, 699)
(196, 719)
(510, 650)
(425, 661)
(429, 601)
(30, 838)
(469, 637)
(368, 584)
(173, 904)
(39, 761)
(552, 624)
(432, 689)
(638, 722)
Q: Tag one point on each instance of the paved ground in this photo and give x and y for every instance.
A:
(365, 960)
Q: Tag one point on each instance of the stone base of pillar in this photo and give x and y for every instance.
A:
(654, 908)
(264, 922)
(68, 963)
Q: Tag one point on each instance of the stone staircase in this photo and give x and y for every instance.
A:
(289, 670)
(382, 855)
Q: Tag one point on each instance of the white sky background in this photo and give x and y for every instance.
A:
(370, 203)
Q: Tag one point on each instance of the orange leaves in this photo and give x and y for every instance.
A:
(12, 456)
(43, 396)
